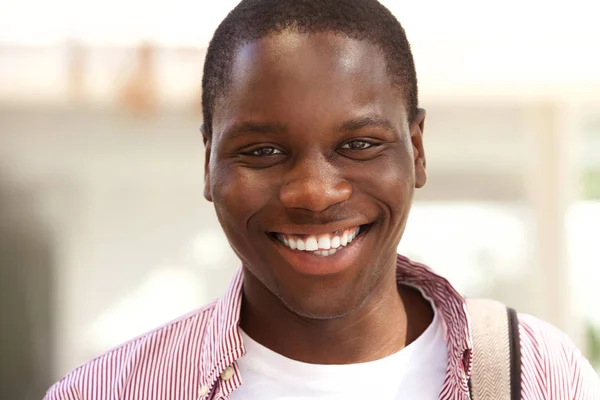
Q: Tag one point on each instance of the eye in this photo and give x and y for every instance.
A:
(358, 145)
(265, 151)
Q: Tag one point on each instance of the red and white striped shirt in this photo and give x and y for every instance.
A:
(194, 357)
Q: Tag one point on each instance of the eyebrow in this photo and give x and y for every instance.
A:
(246, 128)
(373, 121)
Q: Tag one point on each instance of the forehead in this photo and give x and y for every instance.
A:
(291, 75)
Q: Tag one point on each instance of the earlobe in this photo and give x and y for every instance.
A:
(205, 135)
(418, 148)
(207, 191)
(207, 147)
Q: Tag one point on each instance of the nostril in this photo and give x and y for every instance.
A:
(314, 194)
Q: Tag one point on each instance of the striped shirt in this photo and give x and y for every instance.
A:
(194, 357)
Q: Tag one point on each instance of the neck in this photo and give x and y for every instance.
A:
(389, 319)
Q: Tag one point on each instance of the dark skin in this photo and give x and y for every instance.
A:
(312, 137)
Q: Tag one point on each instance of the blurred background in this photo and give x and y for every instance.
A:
(105, 234)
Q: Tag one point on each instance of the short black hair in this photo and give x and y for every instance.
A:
(251, 20)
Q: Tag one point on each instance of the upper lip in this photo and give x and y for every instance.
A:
(320, 229)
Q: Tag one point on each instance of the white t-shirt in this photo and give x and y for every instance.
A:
(415, 372)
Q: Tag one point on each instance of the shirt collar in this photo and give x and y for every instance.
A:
(222, 343)
(452, 307)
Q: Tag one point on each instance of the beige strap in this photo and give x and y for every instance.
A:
(491, 372)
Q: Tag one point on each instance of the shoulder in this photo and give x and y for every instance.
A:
(552, 364)
(113, 371)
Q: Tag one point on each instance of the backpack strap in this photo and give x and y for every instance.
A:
(496, 371)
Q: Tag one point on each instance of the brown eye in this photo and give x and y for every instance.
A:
(358, 145)
(265, 151)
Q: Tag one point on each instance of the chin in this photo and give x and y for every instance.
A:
(324, 304)
(323, 313)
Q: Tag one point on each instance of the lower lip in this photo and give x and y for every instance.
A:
(308, 263)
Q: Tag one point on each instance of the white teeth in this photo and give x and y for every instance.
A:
(324, 243)
(335, 242)
(325, 253)
(344, 240)
(292, 243)
(311, 244)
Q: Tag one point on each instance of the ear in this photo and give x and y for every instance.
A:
(206, 137)
(416, 137)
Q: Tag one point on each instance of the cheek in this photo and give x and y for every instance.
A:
(238, 193)
(394, 180)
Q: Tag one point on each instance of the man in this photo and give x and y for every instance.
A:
(314, 146)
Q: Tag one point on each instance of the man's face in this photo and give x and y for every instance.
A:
(310, 147)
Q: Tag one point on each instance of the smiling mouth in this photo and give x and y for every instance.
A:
(323, 245)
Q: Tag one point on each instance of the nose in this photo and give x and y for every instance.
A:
(314, 186)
